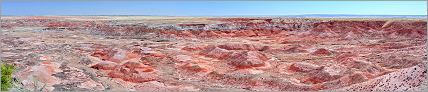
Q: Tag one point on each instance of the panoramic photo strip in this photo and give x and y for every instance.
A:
(239, 45)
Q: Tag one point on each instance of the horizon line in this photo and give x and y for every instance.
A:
(224, 15)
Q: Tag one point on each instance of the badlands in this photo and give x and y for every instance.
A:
(150, 53)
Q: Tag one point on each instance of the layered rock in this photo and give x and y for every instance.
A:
(248, 59)
(244, 47)
(408, 79)
(216, 52)
(303, 67)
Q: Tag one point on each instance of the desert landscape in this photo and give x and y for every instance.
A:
(151, 53)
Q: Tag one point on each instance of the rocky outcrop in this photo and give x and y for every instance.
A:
(216, 52)
(248, 59)
(244, 47)
(322, 52)
(303, 67)
(408, 79)
(130, 71)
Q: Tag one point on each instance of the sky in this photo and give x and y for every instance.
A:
(214, 8)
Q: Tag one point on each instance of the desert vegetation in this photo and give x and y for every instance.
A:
(6, 76)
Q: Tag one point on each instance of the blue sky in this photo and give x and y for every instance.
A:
(215, 8)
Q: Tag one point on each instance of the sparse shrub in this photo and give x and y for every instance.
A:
(6, 76)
